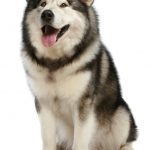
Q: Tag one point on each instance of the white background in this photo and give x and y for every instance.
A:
(125, 30)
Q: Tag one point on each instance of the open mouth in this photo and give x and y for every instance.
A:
(51, 34)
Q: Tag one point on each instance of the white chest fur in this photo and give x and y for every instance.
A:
(63, 85)
(67, 88)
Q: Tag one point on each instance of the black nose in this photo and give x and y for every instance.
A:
(47, 16)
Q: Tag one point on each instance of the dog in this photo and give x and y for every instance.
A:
(73, 78)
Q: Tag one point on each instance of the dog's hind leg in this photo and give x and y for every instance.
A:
(127, 147)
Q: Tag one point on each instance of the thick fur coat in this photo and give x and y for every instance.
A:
(73, 78)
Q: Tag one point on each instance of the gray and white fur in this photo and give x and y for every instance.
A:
(74, 81)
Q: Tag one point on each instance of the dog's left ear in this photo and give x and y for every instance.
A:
(88, 2)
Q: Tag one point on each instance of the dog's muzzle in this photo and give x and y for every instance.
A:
(51, 35)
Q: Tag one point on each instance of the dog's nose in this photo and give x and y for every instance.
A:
(47, 16)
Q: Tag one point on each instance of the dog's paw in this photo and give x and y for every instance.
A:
(126, 147)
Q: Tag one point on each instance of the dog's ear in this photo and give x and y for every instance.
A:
(88, 2)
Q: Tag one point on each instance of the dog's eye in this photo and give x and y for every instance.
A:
(63, 5)
(43, 4)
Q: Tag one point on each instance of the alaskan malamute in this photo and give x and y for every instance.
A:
(73, 78)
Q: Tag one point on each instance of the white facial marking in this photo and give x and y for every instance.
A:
(62, 16)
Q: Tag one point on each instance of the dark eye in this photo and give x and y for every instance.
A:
(43, 4)
(63, 5)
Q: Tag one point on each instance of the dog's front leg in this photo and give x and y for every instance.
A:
(83, 130)
(48, 128)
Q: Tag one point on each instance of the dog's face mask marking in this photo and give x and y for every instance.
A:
(57, 23)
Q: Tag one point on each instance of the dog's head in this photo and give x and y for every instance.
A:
(56, 24)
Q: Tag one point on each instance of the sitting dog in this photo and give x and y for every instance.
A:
(73, 78)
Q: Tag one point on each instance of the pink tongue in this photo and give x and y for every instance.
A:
(49, 40)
